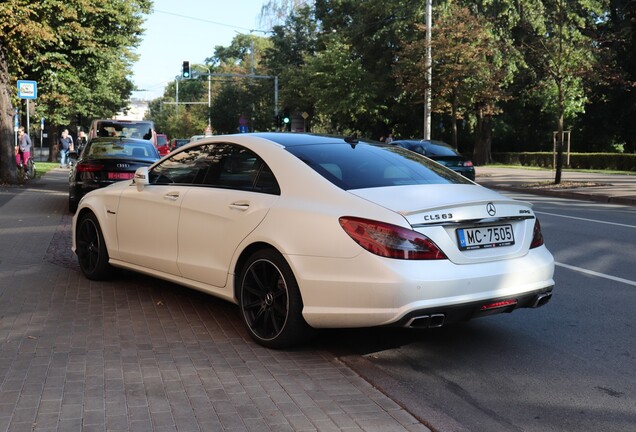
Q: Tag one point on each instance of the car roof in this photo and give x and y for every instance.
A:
(423, 141)
(289, 139)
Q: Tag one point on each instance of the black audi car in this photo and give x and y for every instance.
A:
(441, 153)
(107, 160)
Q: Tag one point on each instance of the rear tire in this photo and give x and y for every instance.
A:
(91, 249)
(270, 301)
(72, 204)
(30, 168)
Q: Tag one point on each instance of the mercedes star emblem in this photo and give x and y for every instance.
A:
(490, 208)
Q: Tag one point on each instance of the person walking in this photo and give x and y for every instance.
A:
(24, 148)
(81, 142)
(65, 145)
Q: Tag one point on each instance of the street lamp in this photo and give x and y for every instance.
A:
(209, 74)
(429, 71)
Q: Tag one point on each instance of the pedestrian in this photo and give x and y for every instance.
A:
(23, 152)
(389, 139)
(81, 141)
(65, 145)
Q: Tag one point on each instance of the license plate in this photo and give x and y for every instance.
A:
(120, 175)
(485, 237)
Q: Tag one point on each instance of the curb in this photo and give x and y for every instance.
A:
(567, 194)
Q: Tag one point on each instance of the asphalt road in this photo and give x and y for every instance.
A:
(568, 366)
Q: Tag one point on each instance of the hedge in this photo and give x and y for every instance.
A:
(600, 161)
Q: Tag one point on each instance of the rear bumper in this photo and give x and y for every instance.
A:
(371, 291)
(437, 317)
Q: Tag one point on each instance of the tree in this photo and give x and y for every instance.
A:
(468, 75)
(339, 86)
(560, 48)
(78, 51)
(374, 35)
(608, 120)
(291, 45)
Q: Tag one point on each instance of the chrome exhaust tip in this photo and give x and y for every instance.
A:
(542, 299)
(426, 321)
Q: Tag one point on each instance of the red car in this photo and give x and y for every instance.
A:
(163, 144)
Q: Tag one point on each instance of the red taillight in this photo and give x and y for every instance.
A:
(499, 304)
(390, 241)
(468, 163)
(89, 167)
(537, 237)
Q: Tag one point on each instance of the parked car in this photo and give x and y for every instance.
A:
(105, 161)
(139, 129)
(441, 153)
(175, 143)
(305, 231)
(163, 145)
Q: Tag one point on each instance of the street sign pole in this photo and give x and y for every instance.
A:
(27, 90)
(41, 136)
(28, 129)
(16, 125)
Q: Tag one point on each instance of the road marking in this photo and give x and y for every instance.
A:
(587, 220)
(593, 273)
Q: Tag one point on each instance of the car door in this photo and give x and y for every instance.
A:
(235, 196)
(147, 222)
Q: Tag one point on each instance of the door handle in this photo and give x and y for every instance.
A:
(172, 196)
(240, 205)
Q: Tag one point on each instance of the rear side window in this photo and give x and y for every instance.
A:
(362, 166)
(221, 165)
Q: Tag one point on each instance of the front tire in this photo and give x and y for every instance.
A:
(91, 249)
(270, 301)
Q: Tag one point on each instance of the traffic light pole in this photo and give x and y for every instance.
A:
(185, 73)
(275, 78)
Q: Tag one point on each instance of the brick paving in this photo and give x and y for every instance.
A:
(139, 354)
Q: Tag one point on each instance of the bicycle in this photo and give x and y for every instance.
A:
(27, 171)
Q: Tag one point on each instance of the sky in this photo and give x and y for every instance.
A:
(187, 30)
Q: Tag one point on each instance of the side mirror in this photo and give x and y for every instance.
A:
(141, 178)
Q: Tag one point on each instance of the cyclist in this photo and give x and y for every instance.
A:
(24, 148)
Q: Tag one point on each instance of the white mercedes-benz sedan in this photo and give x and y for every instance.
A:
(306, 231)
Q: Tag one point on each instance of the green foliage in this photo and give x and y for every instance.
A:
(78, 51)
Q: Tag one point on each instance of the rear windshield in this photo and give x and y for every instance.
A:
(363, 166)
(438, 150)
(139, 130)
(121, 149)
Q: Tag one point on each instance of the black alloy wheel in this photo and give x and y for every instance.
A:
(91, 248)
(270, 301)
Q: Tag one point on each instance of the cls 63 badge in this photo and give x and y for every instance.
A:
(438, 217)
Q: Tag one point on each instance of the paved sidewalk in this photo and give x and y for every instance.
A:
(140, 354)
(608, 188)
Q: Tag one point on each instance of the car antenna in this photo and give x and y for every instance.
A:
(352, 139)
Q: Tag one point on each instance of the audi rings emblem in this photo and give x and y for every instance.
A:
(490, 208)
(120, 165)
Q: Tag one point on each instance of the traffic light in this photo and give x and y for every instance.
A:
(286, 120)
(185, 70)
